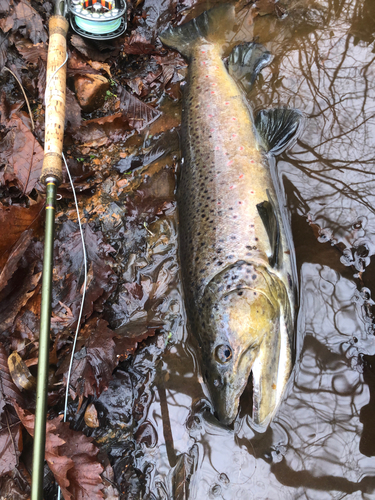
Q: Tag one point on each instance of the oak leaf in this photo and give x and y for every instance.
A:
(94, 360)
(25, 19)
(14, 220)
(22, 154)
(71, 456)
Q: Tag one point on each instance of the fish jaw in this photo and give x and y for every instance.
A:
(247, 327)
(227, 386)
(269, 383)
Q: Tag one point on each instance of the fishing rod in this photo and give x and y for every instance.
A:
(98, 20)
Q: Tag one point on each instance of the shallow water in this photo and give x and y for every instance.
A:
(321, 443)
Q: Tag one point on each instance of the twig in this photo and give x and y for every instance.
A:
(24, 94)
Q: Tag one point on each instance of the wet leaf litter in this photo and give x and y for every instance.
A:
(131, 365)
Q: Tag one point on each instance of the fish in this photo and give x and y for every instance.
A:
(236, 251)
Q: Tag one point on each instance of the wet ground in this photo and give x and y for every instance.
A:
(321, 443)
(154, 421)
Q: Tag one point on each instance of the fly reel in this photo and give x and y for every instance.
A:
(97, 19)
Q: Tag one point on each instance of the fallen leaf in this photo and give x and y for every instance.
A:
(24, 18)
(73, 119)
(71, 456)
(32, 52)
(23, 155)
(136, 111)
(68, 277)
(138, 44)
(78, 66)
(88, 49)
(20, 373)
(94, 360)
(8, 390)
(98, 66)
(91, 416)
(14, 486)
(10, 448)
(5, 6)
(169, 64)
(15, 300)
(14, 220)
(10, 442)
(101, 131)
(17, 252)
(42, 80)
(3, 49)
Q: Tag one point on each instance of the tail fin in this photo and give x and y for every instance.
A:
(246, 61)
(212, 26)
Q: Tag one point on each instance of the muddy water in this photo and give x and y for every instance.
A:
(321, 444)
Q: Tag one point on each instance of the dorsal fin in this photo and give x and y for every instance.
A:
(267, 212)
(245, 63)
(278, 128)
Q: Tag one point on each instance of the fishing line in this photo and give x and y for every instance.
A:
(84, 269)
(98, 19)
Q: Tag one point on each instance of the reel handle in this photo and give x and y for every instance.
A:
(55, 96)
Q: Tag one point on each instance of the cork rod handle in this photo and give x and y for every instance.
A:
(55, 100)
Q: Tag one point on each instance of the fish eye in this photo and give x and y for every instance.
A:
(223, 353)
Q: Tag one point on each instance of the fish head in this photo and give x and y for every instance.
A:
(242, 325)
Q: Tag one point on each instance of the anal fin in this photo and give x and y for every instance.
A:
(278, 128)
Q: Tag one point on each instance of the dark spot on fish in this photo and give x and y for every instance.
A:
(254, 276)
(219, 263)
(240, 294)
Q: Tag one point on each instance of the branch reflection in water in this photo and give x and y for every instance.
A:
(318, 444)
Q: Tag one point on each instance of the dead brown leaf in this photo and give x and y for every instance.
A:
(14, 220)
(10, 432)
(17, 297)
(138, 44)
(17, 252)
(89, 50)
(136, 111)
(31, 52)
(68, 277)
(71, 456)
(24, 18)
(94, 360)
(3, 49)
(8, 390)
(73, 119)
(23, 155)
(20, 373)
(98, 66)
(10, 447)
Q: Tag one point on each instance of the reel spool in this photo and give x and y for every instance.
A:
(98, 19)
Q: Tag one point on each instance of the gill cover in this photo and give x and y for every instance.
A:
(247, 325)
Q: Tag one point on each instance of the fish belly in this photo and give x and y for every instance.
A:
(223, 178)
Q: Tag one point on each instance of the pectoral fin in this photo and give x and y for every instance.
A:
(278, 128)
(267, 212)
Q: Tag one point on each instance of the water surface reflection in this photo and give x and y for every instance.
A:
(319, 444)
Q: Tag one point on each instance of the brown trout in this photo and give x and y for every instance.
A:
(236, 257)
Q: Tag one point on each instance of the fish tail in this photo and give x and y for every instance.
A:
(212, 26)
